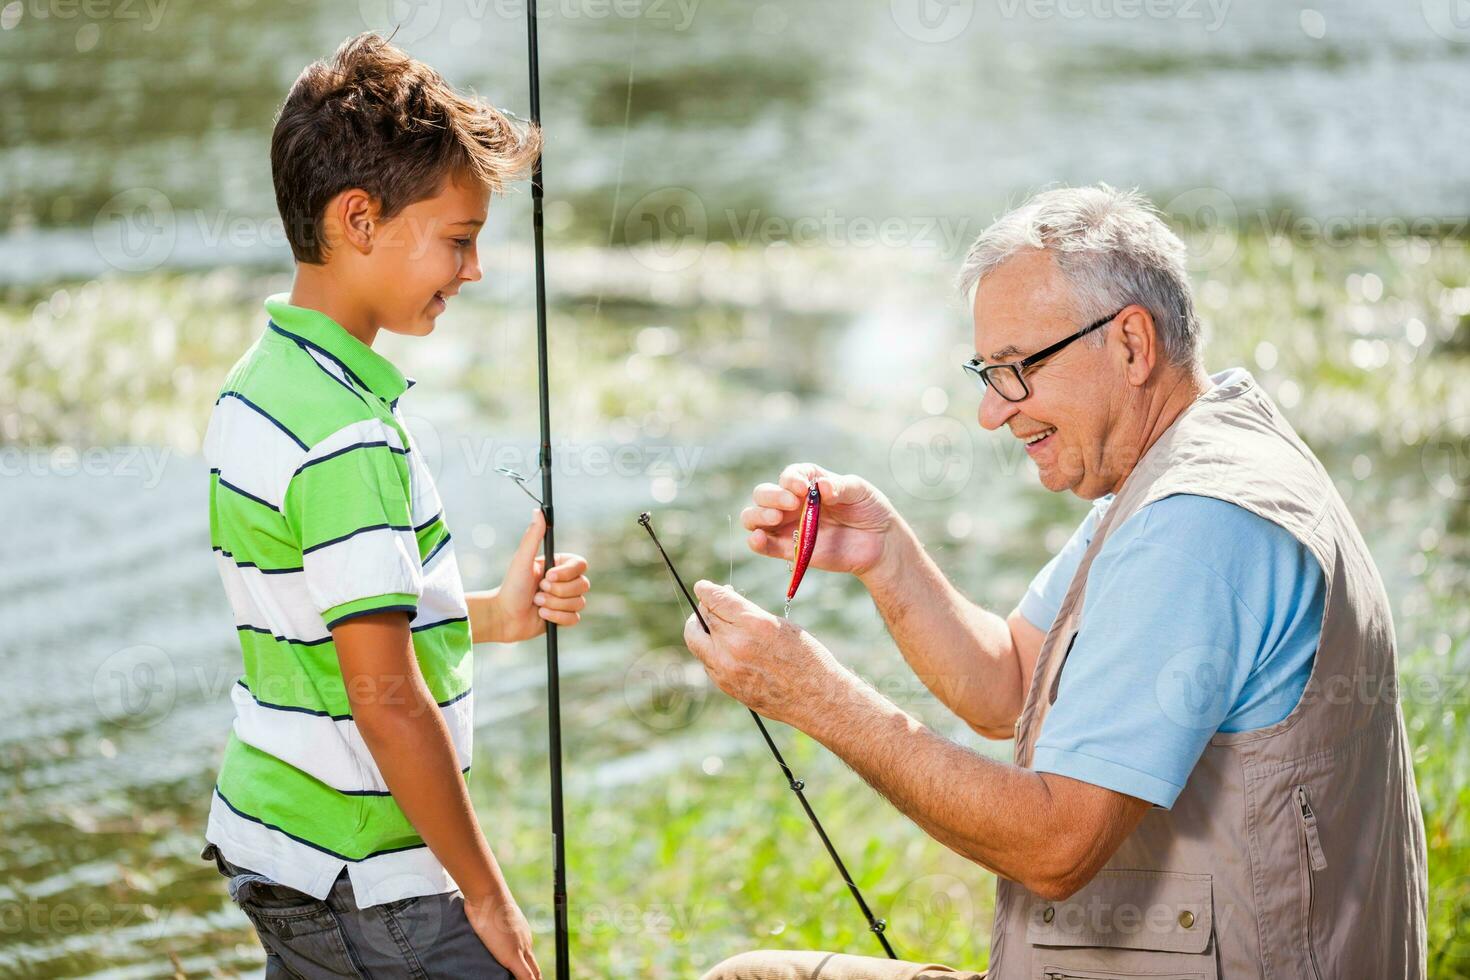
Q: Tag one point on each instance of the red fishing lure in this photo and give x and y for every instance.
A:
(804, 539)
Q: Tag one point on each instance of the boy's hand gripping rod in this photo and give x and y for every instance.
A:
(875, 924)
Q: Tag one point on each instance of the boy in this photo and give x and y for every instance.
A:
(341, 813)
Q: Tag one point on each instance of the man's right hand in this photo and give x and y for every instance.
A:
(505, 932)
(856, 519)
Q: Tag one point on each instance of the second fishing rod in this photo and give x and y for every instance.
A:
(804, 543)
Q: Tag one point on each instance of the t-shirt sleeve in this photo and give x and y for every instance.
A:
(1189, 603)
(1043, 598)
(348, 505)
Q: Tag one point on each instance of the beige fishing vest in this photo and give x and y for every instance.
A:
(1295, 850)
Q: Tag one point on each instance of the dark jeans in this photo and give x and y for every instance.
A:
(304, 937)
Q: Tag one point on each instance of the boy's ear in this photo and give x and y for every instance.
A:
(356, 212)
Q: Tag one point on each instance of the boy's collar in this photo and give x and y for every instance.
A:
(314, 328)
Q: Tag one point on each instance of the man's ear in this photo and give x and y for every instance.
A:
(1140, 341)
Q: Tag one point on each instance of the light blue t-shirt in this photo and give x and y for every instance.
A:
(1199, 617)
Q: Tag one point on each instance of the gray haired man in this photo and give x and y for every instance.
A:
(1191, 794)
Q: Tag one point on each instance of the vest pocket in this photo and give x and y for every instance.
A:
(1314, 859)
(1126, 924)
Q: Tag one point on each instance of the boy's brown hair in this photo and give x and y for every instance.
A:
(375, 118)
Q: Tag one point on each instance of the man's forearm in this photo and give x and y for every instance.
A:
(999, 816)
(412, 747)
(964, 654)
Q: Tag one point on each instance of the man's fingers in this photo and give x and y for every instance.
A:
(723, 603)
(796, 476)
(770, 545)
(695, 638)
(757, 517)
(770, 495)
(839, 489)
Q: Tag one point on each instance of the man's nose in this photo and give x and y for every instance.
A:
(995, 411)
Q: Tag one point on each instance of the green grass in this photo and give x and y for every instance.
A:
(694, 849)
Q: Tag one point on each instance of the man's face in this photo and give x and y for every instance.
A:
(424, 254)
(1021, 307)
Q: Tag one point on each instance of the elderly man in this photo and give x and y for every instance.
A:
(1211, 775)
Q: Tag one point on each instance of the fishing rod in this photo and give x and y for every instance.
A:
(553, 672)
(875, 925)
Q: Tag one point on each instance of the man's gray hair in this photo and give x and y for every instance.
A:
(1113, 248)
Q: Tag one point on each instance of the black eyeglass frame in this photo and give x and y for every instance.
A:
(976, 369)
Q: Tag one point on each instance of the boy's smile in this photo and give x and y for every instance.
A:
(429, 252)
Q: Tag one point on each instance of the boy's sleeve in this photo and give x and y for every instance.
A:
(349, 507)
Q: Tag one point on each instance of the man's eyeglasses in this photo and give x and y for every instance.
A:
(1009, 380)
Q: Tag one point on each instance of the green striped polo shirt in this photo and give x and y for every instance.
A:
(322, 509)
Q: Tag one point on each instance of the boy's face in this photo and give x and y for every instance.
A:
(424, 254)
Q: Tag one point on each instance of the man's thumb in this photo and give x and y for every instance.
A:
(840, 489)
(709, 593)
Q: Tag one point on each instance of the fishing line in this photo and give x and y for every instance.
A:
(875, 925)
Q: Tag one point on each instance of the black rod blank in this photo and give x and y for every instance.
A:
(876, 925)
